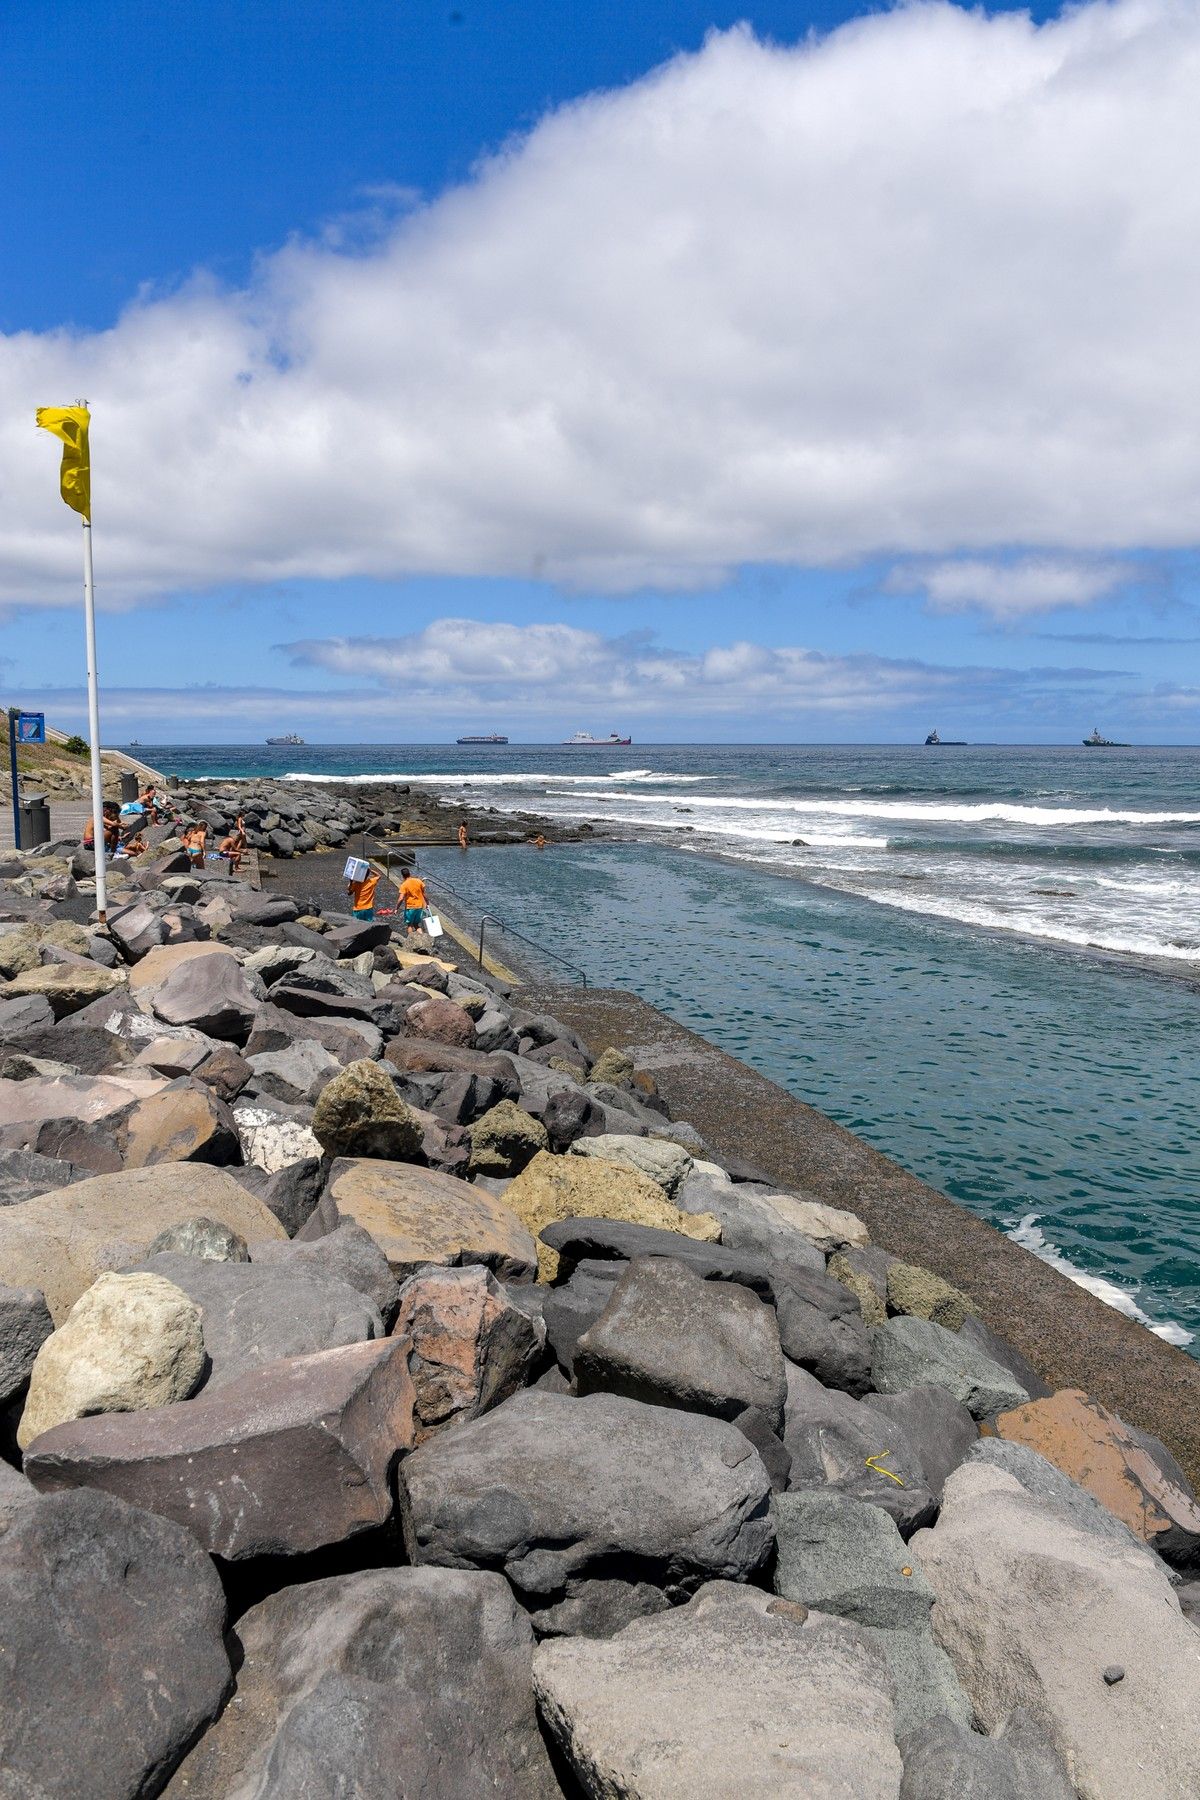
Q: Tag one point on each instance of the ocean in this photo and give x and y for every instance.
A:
(984, 960)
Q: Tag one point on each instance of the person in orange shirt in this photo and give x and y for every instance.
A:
(414, 902)
(362, 895)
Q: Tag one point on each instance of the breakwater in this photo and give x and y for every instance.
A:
(531, 1435)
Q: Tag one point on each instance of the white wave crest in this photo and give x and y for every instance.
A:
(936, 812)
(540, 780)
(1096, 935)
(1030, 1235)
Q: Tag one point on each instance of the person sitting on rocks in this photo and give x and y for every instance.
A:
(362, 895)
(150, 805)
(112, 829)
(234, 846)
(414, 902)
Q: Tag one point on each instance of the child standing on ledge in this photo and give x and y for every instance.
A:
(362, 895)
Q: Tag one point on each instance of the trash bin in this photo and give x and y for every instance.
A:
(35, 822)
(129, 787)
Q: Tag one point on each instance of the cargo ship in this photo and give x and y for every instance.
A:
(493, 737)
(585, 740)
(1096, 742)
(290, 739)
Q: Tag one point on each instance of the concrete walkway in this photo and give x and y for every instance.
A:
(1069, 1336)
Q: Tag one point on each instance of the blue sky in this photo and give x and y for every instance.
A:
(531, 367)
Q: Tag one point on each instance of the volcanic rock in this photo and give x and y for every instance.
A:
(113, 1652)
(470, 1346)
(550, 1488)
(231, 1465)
(565, 1187)
(420, 1216)
(671, 1338)
(61, 1241)
(735, 1693)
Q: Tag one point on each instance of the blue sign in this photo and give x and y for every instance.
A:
(31, 728)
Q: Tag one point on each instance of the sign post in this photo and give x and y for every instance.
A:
(23, 728)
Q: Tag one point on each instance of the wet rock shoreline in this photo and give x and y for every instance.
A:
(395, 1397)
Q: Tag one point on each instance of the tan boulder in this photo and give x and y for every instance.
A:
(21, 949)
(61, 1241)
(504, 1139)
(359, 1113)
(186, 1122)
(67, 986)
(158, 964)
(84, 1098)
(1141, 1486)
(577, 1187)
(923, 1295)
(420, 1216)
(828, 1226)
(129, 1341)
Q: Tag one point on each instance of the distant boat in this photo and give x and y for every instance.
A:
(585, 740)
(134, 744)
(946, 743)
(493, 737)
(290, 739)
(1096, 742)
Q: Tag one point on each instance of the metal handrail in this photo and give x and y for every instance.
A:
(487, 919)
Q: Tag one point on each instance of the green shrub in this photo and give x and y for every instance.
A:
(76, 746)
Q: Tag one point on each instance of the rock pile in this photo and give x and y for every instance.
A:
(288, 818)
(394, 1399)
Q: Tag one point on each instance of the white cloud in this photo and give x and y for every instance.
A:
(925, 287)
(547, 679)
(546, 671)
(1010, 591)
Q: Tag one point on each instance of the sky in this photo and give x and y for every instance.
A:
(764, 373)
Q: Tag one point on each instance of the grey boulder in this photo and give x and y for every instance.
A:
(579, 1240)
(945, 1761)
(258, 1313)
(844, 1557)
(1054, 1489)
(939, 1429)
(570, 1307)
(1032, 1612)
(909, 1353)
(25, 1324)
(210, 993)
(735, 1694)
(113, 1657)
(25, 1174)
(378, 1684)
(843, 1444)
(821, 1329)
(202, 1237)
(347, 1254)
(549, 1488)
(669, 1337)
(297, 1073)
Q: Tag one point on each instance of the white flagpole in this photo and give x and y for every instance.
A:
(89, 608)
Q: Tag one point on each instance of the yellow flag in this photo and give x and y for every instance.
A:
(70, 423)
